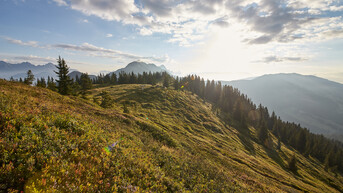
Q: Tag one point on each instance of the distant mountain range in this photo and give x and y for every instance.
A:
(19, 70)
(8, 70)
(314, 102)
(140, 67)
(73, 75)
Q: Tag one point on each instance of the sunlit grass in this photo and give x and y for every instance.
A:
(168, 141)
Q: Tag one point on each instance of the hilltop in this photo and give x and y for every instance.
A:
(138, 67)
(314, 102)
(148, 138)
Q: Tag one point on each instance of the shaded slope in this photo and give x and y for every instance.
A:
(167, 141)
(313, 102)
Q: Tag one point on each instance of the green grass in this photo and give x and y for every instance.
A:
(168, 141)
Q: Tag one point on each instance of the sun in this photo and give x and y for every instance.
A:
(227, 54)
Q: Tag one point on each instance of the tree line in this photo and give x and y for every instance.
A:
(236, 106)
(67, 86)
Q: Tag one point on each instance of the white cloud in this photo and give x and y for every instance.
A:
(270, 59)
(117, 10)
(145, 32)
(186, 21)
(61, 2)
(92, 49)
(27, 58)
(109, 35)
(22, 43)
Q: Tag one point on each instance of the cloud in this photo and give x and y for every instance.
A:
(117, 10)
(28, 58)
(261, 40)
(334, 33)
(109, 35)
(92, 49)
(265, 21)
(61, 2)
(108, 53)
(19, 42)
(145, 31)
(222, 21)
(271, 59)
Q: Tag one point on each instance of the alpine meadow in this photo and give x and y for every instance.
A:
(171, 96)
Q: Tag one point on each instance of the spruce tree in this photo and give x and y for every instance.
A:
(166, 81)
(278, 144)
(176, 83)
(292, 164)
(51, 84)
(262, 131)
(64, 82)
(30, 78)
(85, 82)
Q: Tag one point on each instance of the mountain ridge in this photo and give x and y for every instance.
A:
(139, 67)
(312, 101)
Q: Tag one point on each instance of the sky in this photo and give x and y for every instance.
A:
(216, 39)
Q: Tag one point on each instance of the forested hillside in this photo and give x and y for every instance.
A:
(134, 137)
(314, 102)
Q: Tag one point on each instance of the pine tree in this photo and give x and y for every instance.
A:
(292, 164)
(126, 110)
(51, 84)
(75, 88)
(41, 83)
(166, 81)
(114, 78)
(64, 82)
(30, 78)
(107, 101)
(262, 131)
(176, 83)
(278, 144)
(85, 82)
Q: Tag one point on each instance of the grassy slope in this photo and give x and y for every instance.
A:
(169, 141)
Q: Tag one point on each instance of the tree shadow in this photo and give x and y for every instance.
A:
(245, 137)
(275, 156)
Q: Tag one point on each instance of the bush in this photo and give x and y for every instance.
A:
(158, 134)
(292, 164)
(107, 101)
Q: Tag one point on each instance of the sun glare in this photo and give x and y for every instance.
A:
(226, 55)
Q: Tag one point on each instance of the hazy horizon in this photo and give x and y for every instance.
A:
(221, 40)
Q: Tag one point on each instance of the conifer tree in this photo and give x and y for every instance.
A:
(30, 78)
(85, 82)
(64, 82)
(278, 144)
(166, 81)
(292, 164)
(51, 84)
(114, 78)
(262, 131)
(176, 83)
